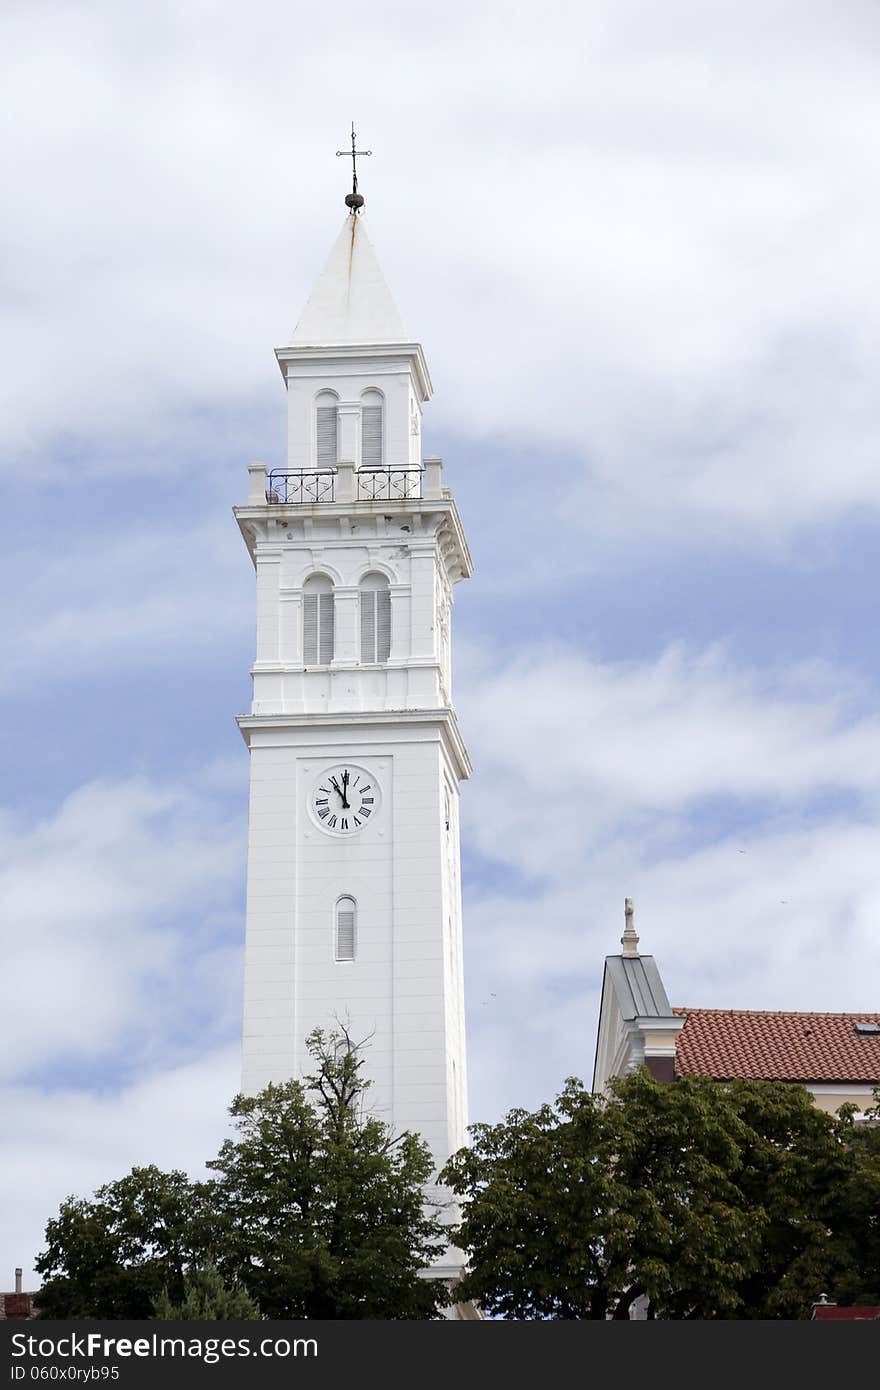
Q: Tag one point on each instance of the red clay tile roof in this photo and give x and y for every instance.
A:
(731, 1043)
(829, 1312)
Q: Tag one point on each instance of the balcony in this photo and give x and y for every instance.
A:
(387, 484)
(284, 487)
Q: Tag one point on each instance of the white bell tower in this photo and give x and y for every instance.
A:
(353, 897)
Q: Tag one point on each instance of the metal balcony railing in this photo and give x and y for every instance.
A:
(302, 485)
(388, 484)
(310, 485)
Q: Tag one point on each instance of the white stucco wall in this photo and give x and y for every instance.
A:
(403, 991)
(348, 379)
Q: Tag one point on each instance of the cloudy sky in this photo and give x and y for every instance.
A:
(639, 244)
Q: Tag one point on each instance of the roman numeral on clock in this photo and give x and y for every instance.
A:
(355, 811)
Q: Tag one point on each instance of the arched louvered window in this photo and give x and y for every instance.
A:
(375, 603)
(326, 417)
(372, 429)
(346, 929)
(318, 621)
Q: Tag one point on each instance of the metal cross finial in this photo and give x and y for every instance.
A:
(353, 199)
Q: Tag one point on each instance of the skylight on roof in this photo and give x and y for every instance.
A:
(867, 1029)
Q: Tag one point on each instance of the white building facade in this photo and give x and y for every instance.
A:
(353, 893)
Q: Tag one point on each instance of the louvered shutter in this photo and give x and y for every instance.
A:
(371, 436)
(326, 436)
(325, 628)
(345, 930)
(383, 624)
(310, 628)
(368, 625)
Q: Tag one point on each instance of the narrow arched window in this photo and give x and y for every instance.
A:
(318, 621)
(326, 417)
(375, 603)
(372, 429)
(346, 929)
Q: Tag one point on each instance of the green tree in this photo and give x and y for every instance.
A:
(795, 1167)
(207, 1299)
(110, 1256)
(713, 1201)
(321, 1207)
(317, 1211)
(857, 1229)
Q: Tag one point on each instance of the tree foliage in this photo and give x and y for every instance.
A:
(858, 1233)
(207, 1299)
(321, 1206)
(316, 1210)
(737, 1201)
(112, 1255)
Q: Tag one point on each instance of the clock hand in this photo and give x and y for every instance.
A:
(340, 792)
(345, 801)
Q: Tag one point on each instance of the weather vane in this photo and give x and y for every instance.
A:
(353, 199)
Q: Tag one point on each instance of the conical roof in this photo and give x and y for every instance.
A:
(351, 302)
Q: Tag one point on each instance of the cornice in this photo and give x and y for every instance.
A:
(448, 534)
(290, 668)
(444, 719)
(326, 353)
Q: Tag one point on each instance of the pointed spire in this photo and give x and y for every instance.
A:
(351, 302)
(629, 941)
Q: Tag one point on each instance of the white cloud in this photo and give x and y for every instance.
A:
(115, 913)
(738, 806)
(64, 1142)
(122, 958)
(571, 749)
(122, 599)
(642, 234)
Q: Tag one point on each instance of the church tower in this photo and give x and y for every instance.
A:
(353, 894)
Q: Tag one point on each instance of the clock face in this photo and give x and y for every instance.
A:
(344, 799)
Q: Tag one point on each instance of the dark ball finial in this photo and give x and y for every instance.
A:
(354, 201)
